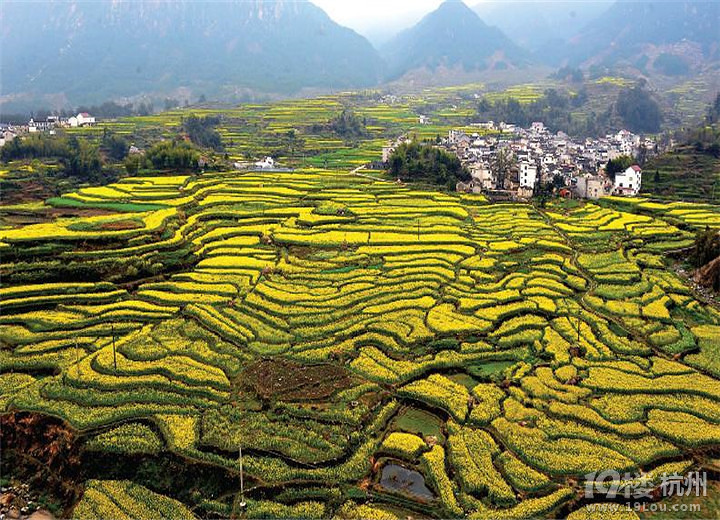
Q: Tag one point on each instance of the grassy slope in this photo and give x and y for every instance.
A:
(684, 174)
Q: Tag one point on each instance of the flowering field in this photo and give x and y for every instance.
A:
(302, 315)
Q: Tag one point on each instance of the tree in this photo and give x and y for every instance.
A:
(425, 163)
(618, 165)
(554, 108)
(502, 165)
(133, 163)
(201, 131)
(79, 158)
(83, 161)
(638, 110)
(713, 115)
(115, 146)
(173, 155)
(707, 246)
(348, 125)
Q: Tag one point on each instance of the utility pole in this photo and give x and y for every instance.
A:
(112, 326)
(243, 504)
(77, 358)
(418, 229)
(578, 330)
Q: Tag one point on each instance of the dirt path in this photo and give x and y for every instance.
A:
(357, 171)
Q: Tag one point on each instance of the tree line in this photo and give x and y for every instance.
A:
(634, 109)
(425, 163)
(97, 163)
(79, 158)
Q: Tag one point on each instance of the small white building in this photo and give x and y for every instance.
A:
(528, 175)
(386, 153)
(489, 125)
(537, 127)
(266, 164)
(6, 136)
(72, 122)
(85, 119)
(629, 182)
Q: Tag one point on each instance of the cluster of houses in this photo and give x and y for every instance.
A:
(9, 131)
(514, 162)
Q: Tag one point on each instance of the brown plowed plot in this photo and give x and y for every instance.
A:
(121, 225)
(25, 191)
(49, 214)
(287, 381)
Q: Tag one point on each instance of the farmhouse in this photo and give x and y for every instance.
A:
(528, 175)
(386, 153)
(82, 119)
(6, 136)
(266, 164)
(629, 181)
(590, 186)
(85, 119)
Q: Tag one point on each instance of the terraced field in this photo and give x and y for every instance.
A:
(331, 324)
(683, 174)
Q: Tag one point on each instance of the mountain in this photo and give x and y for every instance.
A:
(452, 36)
(80, 51)
(671, 37)
(534, 24)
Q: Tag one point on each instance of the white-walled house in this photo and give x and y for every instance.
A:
(6, 136)
(528, 175)
(266, 164)
(629, 182)
(72, 122)
(386, 153)
(83, 119)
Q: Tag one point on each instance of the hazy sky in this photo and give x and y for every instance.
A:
(363, 15)
(379, 20)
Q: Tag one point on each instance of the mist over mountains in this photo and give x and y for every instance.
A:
(541, 24)
(58, 53)
(97, 50)
(632, 30)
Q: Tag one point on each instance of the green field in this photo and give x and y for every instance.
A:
(327, 323)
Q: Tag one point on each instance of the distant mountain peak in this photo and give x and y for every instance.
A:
(454, 5)
(451, 36)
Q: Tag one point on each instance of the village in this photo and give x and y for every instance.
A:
(8, 132)
(507, 162)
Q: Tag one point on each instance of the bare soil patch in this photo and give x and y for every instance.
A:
(287, 381)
